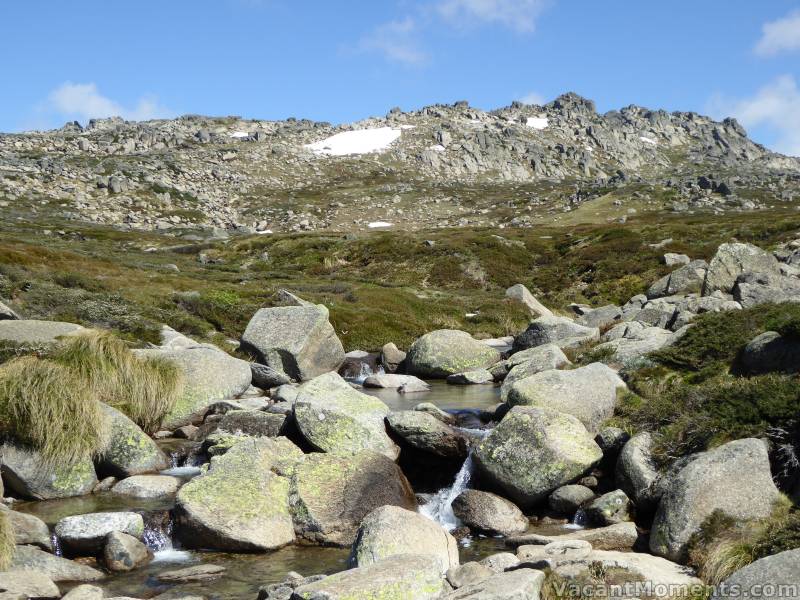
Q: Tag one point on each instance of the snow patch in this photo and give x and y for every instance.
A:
(438, 148)
(239, 134)
(379, 224)
(648, 140)
(361, 141)
(539, 122)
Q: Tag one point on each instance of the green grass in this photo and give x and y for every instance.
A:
(144, 389)
(49, 407)
(7, 543)
(723, 546)
(689, 417)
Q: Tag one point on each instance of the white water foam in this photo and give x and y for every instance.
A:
(440, 507)
(578, 521)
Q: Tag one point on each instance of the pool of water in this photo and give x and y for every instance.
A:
(443, 395)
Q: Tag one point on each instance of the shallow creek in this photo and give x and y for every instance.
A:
(247, 572)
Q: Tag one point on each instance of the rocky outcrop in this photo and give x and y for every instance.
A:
(242, 502)
(684, 280)
(448, 351)
(296, 340)
(334, 417)
(588, 393)
(330, 495)
(533, 451)
(734, 479)
(391, 531)
(733, 259)
(488, 513)
(561, 331)
(521, 294)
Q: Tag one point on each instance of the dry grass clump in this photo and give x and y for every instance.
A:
(7, 543)
(49, 407)
(145, 389)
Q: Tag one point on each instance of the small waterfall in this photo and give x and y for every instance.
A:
(579, 521)
(365, 371)
(56, 545)
(440, 507)
(158, 537)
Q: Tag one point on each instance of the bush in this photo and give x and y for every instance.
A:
(690, 418)
(49, 407)
(7, 543)
(144, 389)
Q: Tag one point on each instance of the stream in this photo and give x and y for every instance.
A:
(246, 573)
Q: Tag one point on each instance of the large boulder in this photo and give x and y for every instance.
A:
(29, 559)
(425, 432)
(752, 289)
(635, 472)
(391, 531)
(567, 499)
(82, 534)
(448, 351)
(519, 584)
(296, 340)
(210, 375)
(731, 260)
(636, 341)
(334, 417)
(405, 577)
(29, 476)
(533, 451)
(22, 585)
(488, 513)
(588, 393)
(561, 331)
(523, 295)
(130, 451)
(242, 502)
(764, 578)
(734, 479)
(330, 495)
(684, 280)
(123, 552)
(255, 423)
(30, 334)
(770, 352)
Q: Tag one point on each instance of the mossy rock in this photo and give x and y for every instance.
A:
(332, 494)
(446, 352)
(533, 451)
(129, 451)
(28, 476)
(241, 503)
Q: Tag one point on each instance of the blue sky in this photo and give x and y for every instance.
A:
(346, 60)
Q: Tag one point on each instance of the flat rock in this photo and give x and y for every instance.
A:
(520, 584)
(477, 377)
(393, 381)
(30, 333)
(621, 536)
(192, 574)
(28, 558)
(16, 584)
(147, 486)
(87, 533)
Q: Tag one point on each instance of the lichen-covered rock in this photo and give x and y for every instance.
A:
(296, 340)
(610, 509)
(255, 423)
(209, 375)
(731, 260)
(532, 451)
(242, 502)
(467, 574)
(390, 531)
(636, 474)
(130, 451)
(81, 534)
(588, 393)
(764, 578)
(561, 331)
(734, 479)
(28, 476)
(517, 584)
(488, 513)
(147, 486)
(447, 351)
(331, 495)
(333, 417)
(406, 577)
(425, 432)
(528, 362)
(684, 280)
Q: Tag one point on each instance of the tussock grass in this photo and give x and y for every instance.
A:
(7, 544)
(144, 389)
(722, 547)
(49, 407)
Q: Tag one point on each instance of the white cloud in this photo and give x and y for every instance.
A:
(397, 41)
(775, 107)
(533, 98)
(779, 36)
(520, 15)
(83, 101)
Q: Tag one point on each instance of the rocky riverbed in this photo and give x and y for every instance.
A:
(511, 467)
